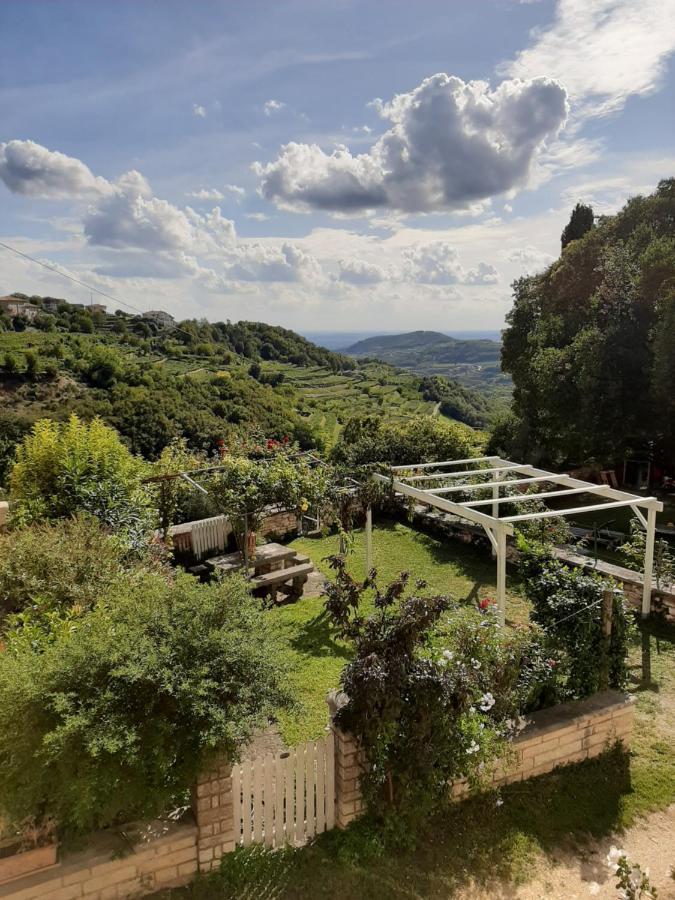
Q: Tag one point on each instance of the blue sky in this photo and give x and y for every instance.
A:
(322, 165)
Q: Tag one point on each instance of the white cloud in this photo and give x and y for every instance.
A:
(273, 106)
(199, 110)
(260, 262)
(257, 216)
(205, 194)
(530, 258)
(450, 145)
(32, 170)
(358, 271)
(130, 217)
(438, 263)
(603, 51)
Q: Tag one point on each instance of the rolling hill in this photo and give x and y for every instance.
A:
(206, 382)
(473, 363)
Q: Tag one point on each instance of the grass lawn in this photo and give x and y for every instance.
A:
(478, 842)
(315, 658)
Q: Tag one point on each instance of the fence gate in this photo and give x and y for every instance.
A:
(287, 798)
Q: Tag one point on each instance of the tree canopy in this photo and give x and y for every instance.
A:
(590, 344)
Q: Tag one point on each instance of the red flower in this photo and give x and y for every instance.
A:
(484, 603)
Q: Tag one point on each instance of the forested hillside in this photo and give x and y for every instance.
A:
(473, 363)
(590, 344)
(206, 382)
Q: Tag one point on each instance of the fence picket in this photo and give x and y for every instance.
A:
(268, 802)
(300, 795)
(310, 784)
(320, 786)
(279, 812)
(290, 797)
(246, 802)
(236, 802)
(257, 800)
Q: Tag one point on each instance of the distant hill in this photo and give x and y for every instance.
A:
(205, 382)
(473, 363)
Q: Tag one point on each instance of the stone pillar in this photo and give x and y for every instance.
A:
(214, 815)
(349, 764)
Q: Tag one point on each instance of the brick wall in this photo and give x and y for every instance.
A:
(95, 874)
(213, 811)
(564, 734)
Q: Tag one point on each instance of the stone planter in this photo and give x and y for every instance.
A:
(26, 862)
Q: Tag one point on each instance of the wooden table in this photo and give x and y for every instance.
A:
(273, 568)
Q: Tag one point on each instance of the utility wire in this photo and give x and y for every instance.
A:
(84, 284)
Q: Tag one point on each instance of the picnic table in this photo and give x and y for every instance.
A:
(274, 568)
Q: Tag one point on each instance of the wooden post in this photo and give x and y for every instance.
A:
(369, 539)
(607, 609)
(245, 548)
(501, 575)
(649, 563)
(495, 505)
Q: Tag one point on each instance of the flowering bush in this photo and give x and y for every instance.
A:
(432, 697)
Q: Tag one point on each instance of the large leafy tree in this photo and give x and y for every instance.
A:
(589, 343)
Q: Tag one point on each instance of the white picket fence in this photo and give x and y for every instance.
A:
(209, 535)
(285, 799)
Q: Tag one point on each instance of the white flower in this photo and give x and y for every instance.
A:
(499, 802)
(487, 701)
(476, 664)
(473, 747)
(613, 857)
(448, 654)
(522, 723)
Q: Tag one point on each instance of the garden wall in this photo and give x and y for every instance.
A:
(96, 874)
(569, 733)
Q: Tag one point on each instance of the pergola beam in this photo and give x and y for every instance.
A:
(507, 482)
(511, 467)
(549, 513)
(519, 498)
(438, 502)
(447, 462)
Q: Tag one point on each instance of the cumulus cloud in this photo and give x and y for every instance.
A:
(439, 263)
(273, 106)
(199, 110)
(530, 258)
(450, 144)
(32, 170)
(260, 262)
(602, 51)
(358, 271)
(130, 217)
(205, 194)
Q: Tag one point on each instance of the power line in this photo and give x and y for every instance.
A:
(84, 284)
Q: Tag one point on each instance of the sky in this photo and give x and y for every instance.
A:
(343, 165)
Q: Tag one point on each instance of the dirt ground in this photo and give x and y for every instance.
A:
(651, 843)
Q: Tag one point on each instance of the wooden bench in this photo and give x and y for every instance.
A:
(271, 582)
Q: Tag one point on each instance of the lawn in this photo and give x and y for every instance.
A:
(315, 658)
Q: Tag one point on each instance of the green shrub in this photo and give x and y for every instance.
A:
(55, 566)
(369, 439)
(566, 602)
(114, 716)
(62, 469)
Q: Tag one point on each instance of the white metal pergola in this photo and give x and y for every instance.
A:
(434, 484)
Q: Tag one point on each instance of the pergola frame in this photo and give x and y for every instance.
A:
(429, 483)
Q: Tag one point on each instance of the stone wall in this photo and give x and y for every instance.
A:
(214, 813)
(565, 734)
(166, 860)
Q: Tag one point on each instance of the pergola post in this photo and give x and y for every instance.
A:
(501, 574)
(495, 503)
(369, 539)
(649, 563)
